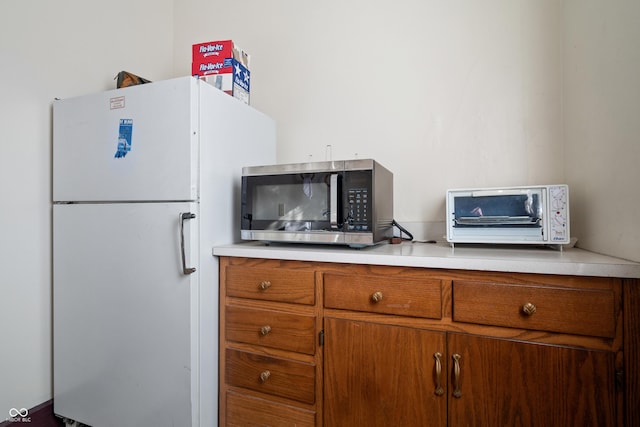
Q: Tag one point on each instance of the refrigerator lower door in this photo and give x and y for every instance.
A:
(125, 314)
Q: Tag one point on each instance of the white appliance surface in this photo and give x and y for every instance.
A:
(121, 298)
(163, 147)
(135, 338)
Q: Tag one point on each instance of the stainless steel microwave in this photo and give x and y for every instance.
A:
(347, 202)
(514, 215)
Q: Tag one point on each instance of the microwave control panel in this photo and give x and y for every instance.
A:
(358, 209)
(558, 213)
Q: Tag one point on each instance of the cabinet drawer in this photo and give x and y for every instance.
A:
(245, 411)
(565, 310)
(271, 284)
(279, 377)
(276, 329)
(380, 294)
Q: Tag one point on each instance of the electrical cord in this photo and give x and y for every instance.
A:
(409, 237)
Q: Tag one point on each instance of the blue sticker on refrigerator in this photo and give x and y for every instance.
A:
(124, 138)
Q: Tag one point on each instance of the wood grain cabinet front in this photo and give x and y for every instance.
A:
(271, 284)
(327, 344)
(382, 294)
(269, 330)
(505, 349)
(243, 411)
(271, 375)
(382, 375)
(529, 306)
(504, 382)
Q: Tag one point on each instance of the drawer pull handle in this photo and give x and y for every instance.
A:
(265, 330)
(264, 285)
(529, 309)
(376, 297)
(456, 376)
(439, 390)
(264, 376)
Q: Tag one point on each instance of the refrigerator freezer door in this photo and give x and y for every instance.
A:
(125, 314)
(138, 143)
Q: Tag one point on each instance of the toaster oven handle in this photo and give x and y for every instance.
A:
(333, 201)
(485, 193)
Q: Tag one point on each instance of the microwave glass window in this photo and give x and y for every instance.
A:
(306, 201)
(498, 211)
(288, 202)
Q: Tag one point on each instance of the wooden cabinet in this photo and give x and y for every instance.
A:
(354, 345)
(519, 377)
(579, 311)
(506, 382)
(382, 375)
(498, 382)
(269, 359)
(376, 372)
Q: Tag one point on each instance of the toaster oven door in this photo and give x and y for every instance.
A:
(494, 216)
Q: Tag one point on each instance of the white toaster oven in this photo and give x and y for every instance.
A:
(514, 215)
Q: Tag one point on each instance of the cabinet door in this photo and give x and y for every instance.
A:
(380, 375)
(504, 383)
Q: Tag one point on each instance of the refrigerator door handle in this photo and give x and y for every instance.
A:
(185, 270)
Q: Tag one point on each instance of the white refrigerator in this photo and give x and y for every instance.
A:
(146, 180)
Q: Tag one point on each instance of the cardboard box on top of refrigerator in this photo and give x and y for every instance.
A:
(217, 51)
(224, 65)
(233, 78)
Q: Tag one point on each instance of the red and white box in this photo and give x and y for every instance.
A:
(232, 78)
(218, 51)
(224, 65)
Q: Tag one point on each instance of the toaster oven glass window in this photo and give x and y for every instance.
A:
(521, 210)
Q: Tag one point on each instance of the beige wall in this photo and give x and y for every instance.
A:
(453, 94)
(445, 94)
(602, 123)
(47, 50)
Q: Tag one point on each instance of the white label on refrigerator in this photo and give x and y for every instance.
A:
(117, 102)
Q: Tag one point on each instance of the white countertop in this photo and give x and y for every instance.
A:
(572, 261)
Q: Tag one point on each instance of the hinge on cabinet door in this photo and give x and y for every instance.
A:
(321, 338)
(620, 379)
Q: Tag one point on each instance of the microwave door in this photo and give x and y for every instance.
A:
(296, 202)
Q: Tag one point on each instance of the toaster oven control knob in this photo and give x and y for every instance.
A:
(376, 297)
(529, 309)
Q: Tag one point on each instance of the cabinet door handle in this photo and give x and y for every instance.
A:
(456, 376)
(265, 330)
(439, 390)
(264, 285)
(264, 376)
(376, 297)
(529, 309)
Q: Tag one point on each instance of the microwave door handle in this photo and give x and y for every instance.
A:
(333, 201)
